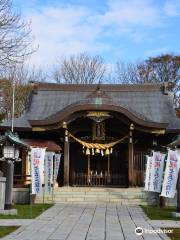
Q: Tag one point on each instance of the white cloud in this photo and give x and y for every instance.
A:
(70, 29)
(63, 31)
(172, 8)
(131, 13)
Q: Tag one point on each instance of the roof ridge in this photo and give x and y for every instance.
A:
(48, 86)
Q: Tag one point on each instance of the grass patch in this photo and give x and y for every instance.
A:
(175, 235)
(5, 230)
(157, 213)
(24, 211)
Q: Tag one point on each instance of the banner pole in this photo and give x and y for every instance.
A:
(53, 179)
(178, 194)
(30, 186)
(44, 192)
(44, 173)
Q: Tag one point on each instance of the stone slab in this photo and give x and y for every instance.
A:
(8, 212)
(82, 221)
(176, 214)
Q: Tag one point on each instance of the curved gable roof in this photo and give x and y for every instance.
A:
(144, 101)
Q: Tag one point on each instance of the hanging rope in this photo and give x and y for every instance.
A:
(99, 146)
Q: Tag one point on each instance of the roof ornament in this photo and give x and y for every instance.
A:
(98, 94)
(98, 116)
(168, 87)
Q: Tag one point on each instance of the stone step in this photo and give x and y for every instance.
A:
(89, 199)
(96, 189)
(100, 197)
(128, 196)
(95, 200)
(124, 195)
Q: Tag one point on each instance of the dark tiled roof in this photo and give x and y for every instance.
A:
(19, 123)
(146, 101)
(49, 145)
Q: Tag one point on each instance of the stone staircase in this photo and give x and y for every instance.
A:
(123, 196)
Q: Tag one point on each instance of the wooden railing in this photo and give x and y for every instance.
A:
(82, 179)
(22, 180)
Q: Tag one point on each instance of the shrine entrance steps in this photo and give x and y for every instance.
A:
(122, 196)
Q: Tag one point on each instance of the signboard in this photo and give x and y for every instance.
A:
(37, 168)
(171, 174)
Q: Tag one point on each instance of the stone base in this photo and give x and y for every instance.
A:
(176, 214)
(20, 195)
(8, 212)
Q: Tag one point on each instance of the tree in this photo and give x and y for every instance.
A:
(160, 69)
(15, 36)
(80, 69)
(163, 68)
(22, 90)
(20, 76)
(126, 73)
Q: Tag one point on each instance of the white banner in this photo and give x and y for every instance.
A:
(148, 173)
(48, 171)
(56, 165)
(171, 174)
(155, 181)
(37, 168)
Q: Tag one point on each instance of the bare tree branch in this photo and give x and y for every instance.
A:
(15, 36)
(80, 69)
(160, 69)
(21, 76)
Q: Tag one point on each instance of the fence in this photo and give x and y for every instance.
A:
(82, 179)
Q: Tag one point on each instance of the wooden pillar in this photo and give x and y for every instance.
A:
(24, 166)
(130, 157)
(108, 170)
(66, 159)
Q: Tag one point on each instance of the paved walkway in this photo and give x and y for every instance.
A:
(87, 222)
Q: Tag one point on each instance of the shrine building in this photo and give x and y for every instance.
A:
(103, 131)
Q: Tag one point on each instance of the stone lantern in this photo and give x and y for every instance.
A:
(10, 146)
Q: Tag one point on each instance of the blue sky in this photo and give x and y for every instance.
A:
(126, 30)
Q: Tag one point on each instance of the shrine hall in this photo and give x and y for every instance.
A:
(103, 131)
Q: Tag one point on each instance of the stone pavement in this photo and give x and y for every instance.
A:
(87, 222)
